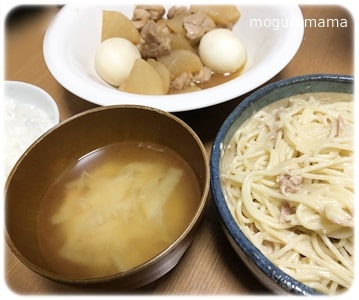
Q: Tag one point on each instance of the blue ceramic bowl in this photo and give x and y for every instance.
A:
(270, 275)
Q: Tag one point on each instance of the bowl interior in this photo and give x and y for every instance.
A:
(60, 148)
(267, 273)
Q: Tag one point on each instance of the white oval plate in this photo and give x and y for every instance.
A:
(271, 34)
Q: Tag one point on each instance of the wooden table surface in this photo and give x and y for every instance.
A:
(210, 266)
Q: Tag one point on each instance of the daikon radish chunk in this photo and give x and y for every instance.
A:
(116, 24)
(143, 79)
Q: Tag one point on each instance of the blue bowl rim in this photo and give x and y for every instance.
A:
(287, 283)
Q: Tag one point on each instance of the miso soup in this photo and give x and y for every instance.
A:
(116, 208)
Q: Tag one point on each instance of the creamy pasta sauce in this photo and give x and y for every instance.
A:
(288, 177)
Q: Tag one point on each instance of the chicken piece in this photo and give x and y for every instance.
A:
(285, 213)
(143, 13)
(203, 75)
(196, 25)
(140, 17)
(182, 81)
(155, 41)
(289, 183)
(177, 10)
(156, 11)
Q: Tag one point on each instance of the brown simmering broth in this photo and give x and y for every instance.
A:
(216, 79)
(116, 208)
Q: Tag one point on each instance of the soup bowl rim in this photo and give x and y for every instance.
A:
(160, 257)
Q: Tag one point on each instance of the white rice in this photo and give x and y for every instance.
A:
(24, 123)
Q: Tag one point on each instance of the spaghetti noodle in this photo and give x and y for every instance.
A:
(288, 177)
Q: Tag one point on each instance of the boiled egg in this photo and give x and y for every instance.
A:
(222, 51)
(114, 59)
